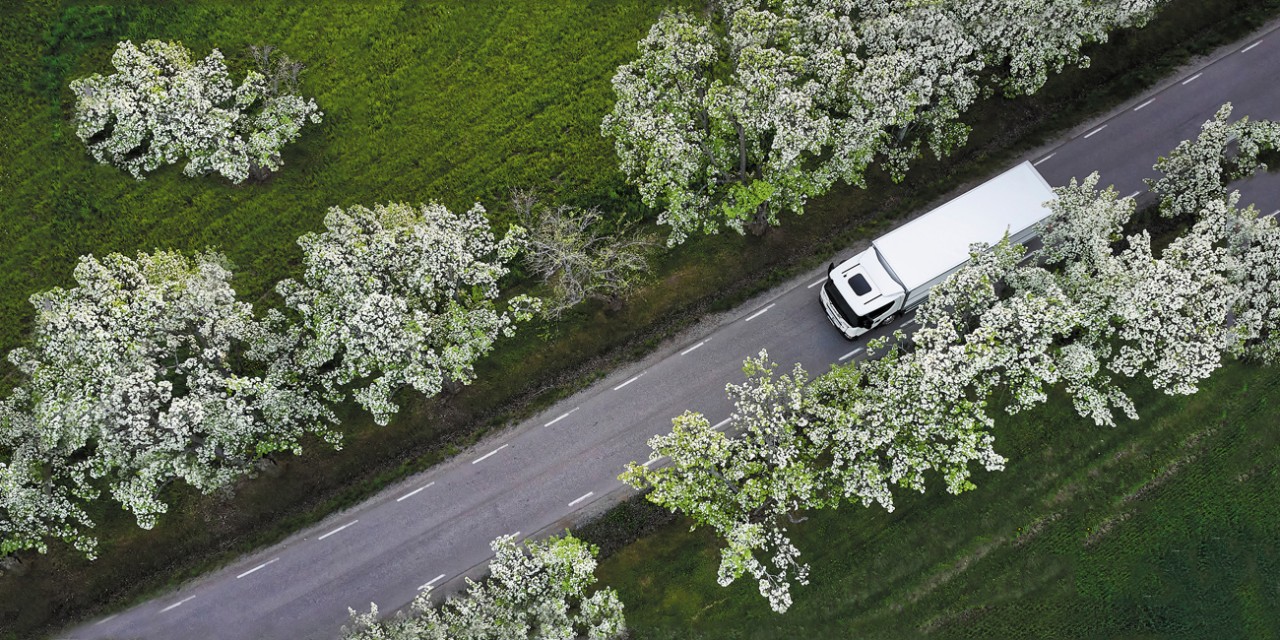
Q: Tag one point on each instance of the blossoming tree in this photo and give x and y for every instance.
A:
(148, 371)
(402, 295)
(160, 107)
(536, 591)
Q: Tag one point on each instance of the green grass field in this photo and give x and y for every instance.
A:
(455, 101)
(450, 101)
(1160, 528)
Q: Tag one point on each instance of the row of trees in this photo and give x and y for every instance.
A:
(151, 370)
(731, 119)
(1097, 308)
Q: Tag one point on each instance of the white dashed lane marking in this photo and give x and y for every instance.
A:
(177, 604)
(256, 568)
(757, 314)
(414, 492)
(481, 458)
(562, 416)
(337, 530)
(1091, 133)
(850, 354)
(686, 351)
(633, 379)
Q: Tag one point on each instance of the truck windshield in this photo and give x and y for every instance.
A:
(841, 305)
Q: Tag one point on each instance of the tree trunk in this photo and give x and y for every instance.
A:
(451, 387)
(759, 224)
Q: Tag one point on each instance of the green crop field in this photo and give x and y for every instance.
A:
(451, 101)
(1161, 528)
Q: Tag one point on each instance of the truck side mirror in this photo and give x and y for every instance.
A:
(831, 267)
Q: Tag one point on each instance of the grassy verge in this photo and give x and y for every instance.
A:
(454, 103)
(1162, 527)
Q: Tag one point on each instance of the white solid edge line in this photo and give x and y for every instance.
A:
(1251, 46)
(660, 458)
(721, 423)
(850, 354)
(1037, 162)
(1139, 107)
(686, 351)
(481, 458)
(431, 582)
(1192, 78)
(337, 530)
(636, 377)
(562, 416)
(1091, 133)
(177, 604)
(414, 492)
(757, 314)
(256, 568)
(584, 497)
(816, 283)
(105, 619)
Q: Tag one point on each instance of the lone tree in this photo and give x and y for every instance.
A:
(148, 371)
(538, 592)
(402, 295)
(571, 252)
(161, 107)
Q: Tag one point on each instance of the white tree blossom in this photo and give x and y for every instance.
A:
(538, 592)
(1195, 182)
(1198, 171)
(161, 107)
(401, 295)
(568, 249)
(731, 130)
(35, 507)
(142, 374)
(745, 487)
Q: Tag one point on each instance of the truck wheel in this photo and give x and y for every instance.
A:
(889, 319)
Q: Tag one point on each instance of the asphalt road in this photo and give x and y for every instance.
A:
(531, 479)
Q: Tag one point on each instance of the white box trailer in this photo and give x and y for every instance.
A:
(897, 272)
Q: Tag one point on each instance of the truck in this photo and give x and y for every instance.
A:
(894, 275)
